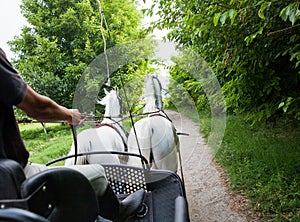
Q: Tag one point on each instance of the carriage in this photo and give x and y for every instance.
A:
(64, 195)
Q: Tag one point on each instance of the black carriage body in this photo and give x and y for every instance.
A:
(165, 196)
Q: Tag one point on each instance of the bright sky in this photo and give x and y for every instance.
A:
(11, 22)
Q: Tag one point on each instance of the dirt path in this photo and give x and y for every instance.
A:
(209, 199)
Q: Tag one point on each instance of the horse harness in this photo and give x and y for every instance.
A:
(111, 126)
(159, 114)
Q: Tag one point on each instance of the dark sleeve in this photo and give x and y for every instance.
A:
(12, 86)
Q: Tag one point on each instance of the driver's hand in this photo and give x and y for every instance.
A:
(76, 118)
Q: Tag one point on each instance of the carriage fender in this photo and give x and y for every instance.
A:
(181, 210)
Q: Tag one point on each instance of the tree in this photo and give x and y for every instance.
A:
(64, 36)
(252, 46)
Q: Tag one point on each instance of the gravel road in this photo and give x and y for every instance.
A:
(209, 198)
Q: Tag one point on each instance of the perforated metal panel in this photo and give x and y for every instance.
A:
(125, 179)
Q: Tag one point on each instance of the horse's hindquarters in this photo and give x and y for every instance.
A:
(157, 140)
(97, 139)
(164, 143)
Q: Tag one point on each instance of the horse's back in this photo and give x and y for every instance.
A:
(158, 134)
(95, 139)
(107, 140)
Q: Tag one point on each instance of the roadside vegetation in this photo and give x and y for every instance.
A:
(262, 163)
(46, 146)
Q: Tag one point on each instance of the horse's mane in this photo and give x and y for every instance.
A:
(158, 89)
(150, 94)
(111, 102)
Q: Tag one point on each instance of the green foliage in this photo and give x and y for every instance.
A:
(252, 46)
(127, 67)
(291, 12)
(64, 36)
(44, 147)
(262, 164)
(184, 89)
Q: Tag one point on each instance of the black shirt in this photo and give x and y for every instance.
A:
(12, 92)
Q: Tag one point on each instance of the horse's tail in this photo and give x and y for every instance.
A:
(71, 161)
(82, 147)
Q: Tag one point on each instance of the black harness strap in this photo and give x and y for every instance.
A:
(111, 126)
(75, 143)
(159, 114)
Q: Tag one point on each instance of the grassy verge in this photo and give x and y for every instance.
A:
(263, 164)
(44, 147)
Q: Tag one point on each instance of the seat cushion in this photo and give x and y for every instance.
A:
(61, 194)
(11, 177)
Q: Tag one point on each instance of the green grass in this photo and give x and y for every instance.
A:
(44, 147)
(263, 164)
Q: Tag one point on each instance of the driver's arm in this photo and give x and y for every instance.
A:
(45, 109)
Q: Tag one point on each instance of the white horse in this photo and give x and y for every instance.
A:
(108, 136)
(155, 134)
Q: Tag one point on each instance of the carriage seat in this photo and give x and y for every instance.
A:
(11, 177)
(57, 194)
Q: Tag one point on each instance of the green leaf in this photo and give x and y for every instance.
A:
(223, 18)
(260, 31)
(280, 105)
(248, 40)
(292, 16)
(294, 55)
(260, 2)
(261, 14)
(290, 12)
(262, 9)
(285, 105)
(232, 14)
(216, 18)
(284, 14)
